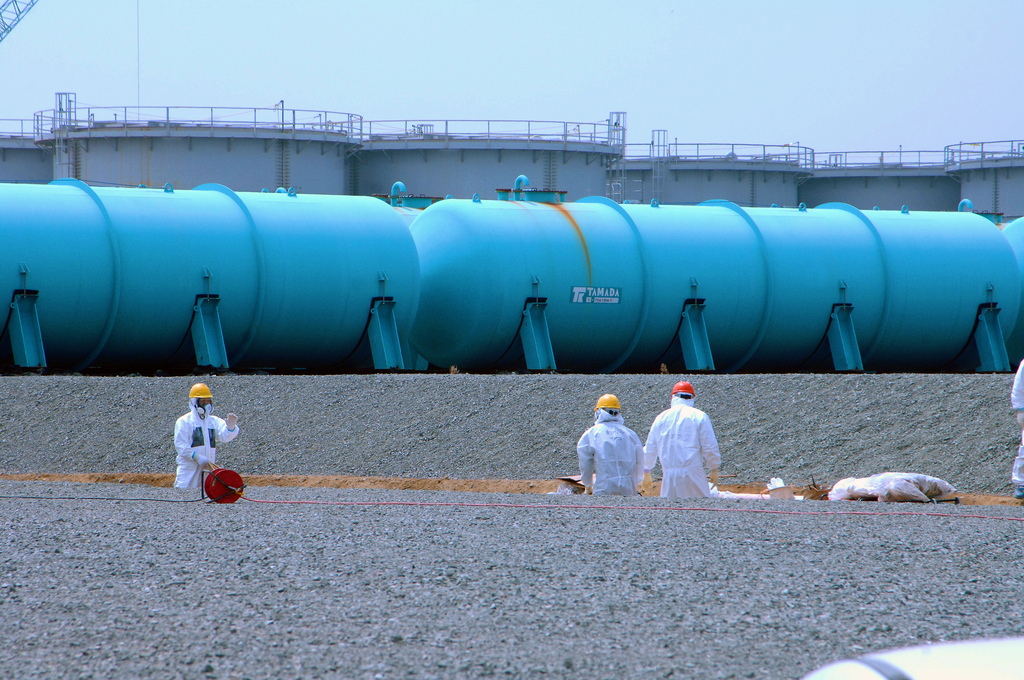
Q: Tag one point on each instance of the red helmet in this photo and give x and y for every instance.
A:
(684, 388)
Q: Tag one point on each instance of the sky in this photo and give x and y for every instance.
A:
(870, 75)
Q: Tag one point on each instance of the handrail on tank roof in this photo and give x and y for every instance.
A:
(15, 127)
(126, 119)
(699, 152)
(896, 159)
(416, 129)
(976, 153)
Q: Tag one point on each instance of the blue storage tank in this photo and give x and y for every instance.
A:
(1014, 234)
(771, 279)
(148, 277)
(711, 287)
(491, 269)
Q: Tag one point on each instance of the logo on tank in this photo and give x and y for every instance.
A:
(600, 296)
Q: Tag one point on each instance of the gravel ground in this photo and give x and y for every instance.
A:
(956, 427)
(682, 589)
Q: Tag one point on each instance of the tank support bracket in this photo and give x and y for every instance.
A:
(207, 333)
(411, 358)
(26, 336)
(988, 340)
(535, 336)
(842, 339)
(693, 337)
(385, 345)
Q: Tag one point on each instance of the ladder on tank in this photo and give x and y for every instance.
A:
(65, 117)
(615, 188)
(659, 160)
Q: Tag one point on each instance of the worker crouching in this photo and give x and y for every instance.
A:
(196, 435)
(611, 455)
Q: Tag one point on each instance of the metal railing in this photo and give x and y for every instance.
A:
(486, 130)
(979, 152)
(15, 127)
(127, 119)
(879, 159)
(791, 154)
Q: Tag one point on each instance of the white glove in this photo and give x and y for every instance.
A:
(231, 421)
(200, 459)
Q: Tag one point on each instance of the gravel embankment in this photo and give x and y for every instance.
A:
(956, 427)
(92, 588)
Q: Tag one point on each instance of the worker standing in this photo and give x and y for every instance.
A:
(196, 435)
(683, 438)
(1017, 401)
(611, 455)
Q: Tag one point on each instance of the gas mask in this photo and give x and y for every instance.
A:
(204, 410)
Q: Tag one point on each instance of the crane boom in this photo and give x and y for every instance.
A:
(11, 12)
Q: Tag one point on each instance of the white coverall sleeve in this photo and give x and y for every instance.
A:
(585, 452)
(1017, 393)
(651, 449)
(182, 437)
(638, 469)
(709, 445)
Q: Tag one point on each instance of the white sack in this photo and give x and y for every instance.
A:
(891, 487)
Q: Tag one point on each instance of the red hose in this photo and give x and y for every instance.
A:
(536, 506)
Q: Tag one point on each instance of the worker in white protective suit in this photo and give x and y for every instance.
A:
(1017, 401)
(196, 435)
(683, 438)
(611, 455)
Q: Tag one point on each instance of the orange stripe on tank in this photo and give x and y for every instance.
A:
(583, 241)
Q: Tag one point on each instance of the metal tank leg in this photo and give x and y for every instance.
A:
(842, 340)
(382, 330)
(535, 336)
(693, 337)
(26, 336)
(207, 334)
(988, 341)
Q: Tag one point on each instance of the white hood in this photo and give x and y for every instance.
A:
(602, 416)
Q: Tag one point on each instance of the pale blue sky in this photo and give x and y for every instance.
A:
(867, 75)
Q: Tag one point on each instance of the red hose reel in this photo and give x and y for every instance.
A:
(223, 485)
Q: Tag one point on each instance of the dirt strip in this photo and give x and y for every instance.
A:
(538, 486)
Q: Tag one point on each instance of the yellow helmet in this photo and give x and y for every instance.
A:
(608, 401)
(200, 390)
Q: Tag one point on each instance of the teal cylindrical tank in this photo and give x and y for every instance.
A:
(941, 267)
(482, 261)
(61, 235)
(1014, 234)
(769, 280)
(118, 271)
(759, 273)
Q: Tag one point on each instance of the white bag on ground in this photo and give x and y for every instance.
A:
(891, 487)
